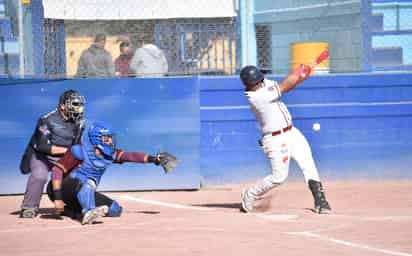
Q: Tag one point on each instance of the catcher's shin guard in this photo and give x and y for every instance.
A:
(86, 196)
(321, 204)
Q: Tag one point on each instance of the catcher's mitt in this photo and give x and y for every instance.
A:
(167, 161)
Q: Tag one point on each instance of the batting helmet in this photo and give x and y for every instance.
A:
(102, 136)
(250, 75)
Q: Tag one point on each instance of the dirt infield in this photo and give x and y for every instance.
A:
(369, 218)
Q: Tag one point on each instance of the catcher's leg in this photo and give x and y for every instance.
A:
(302, 154)
(115, 210)
(277, 151)
(70, 188)
(49, 191)
(86, 198)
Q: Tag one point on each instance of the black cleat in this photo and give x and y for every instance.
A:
(323, 207)
(321, 204)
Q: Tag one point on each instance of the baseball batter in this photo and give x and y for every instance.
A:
(280, 141)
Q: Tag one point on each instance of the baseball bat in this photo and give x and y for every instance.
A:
(322, 56)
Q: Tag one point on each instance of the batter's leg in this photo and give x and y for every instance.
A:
(302, 154)
(277, 150)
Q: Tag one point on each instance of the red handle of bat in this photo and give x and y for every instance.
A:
(323, 56)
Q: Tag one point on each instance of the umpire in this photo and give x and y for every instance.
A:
(55, 132)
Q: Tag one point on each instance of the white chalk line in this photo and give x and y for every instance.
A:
(271, 217)
(348, 243)
(164, 204)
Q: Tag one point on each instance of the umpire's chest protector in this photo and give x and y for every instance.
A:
(93, 166)
(61, 133)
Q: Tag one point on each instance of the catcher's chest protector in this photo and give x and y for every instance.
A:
(93, 166)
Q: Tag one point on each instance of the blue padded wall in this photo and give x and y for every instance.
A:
(365, 127)
(365, 122)
(150, 115)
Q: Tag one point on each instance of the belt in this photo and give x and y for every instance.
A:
(283, 130)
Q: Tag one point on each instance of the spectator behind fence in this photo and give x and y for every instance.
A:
(149, 61)
(96, 61)
(122, 63)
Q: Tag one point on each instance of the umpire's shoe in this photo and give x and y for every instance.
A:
(247, 202)
(321, 204)
(92, 215)
(29, 213)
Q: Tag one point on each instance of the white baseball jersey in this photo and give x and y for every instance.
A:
(270, 111)
(273, 116)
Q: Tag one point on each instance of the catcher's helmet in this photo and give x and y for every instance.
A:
(250, 75)
(102, 136)
(74, 104)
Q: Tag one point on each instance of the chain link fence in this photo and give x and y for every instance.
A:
(93, 45)
(158, 47)
(391, 32)
(362, 36)
(55, 40)
(9, 44)
(296, 32)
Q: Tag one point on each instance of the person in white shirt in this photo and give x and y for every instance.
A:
(149, 61)
(280, 141)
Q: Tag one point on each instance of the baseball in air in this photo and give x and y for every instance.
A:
(316, 127)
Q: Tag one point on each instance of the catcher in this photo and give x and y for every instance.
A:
(77, 174)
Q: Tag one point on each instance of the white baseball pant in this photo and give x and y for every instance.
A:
(280, 149)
